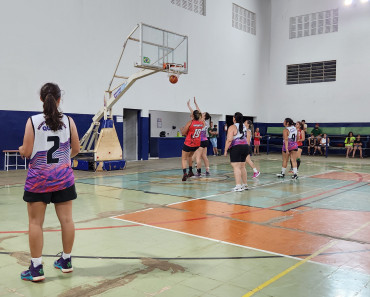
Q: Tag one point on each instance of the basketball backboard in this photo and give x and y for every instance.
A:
(159, 47)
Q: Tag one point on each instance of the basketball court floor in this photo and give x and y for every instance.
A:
(144, 232)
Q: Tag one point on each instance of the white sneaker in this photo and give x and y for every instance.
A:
(280, 175)
(238, 189)
(245, 187)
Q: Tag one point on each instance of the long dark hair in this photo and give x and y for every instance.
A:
(251, 127)
(196, 115)
(239, 119)
(207, 117)
(349, 134)
(49, 94)
(289, 121)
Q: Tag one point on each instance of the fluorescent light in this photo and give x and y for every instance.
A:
(348, 2)
(364, 1)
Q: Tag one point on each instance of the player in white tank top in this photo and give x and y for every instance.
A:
(50, 140)
(290, 147)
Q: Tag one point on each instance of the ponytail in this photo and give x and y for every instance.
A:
(196, 115)
(251, 127)
(239, 119)
(49, 94)
(289, 121)
(207, 117)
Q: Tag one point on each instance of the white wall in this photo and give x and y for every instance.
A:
(76, 43)
(169, 119)
(347, 99)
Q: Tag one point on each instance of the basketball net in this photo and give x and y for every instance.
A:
(173, 69)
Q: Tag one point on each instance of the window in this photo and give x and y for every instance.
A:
(244, 19)
(314, 24)
(197, 6)
(314, 72)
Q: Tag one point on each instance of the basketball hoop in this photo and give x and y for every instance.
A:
(173, 71)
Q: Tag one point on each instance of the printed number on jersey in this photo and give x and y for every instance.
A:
(54, 148)
(197, 133)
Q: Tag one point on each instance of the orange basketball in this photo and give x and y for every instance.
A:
(173, 79)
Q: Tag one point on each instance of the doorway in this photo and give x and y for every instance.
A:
(130, 134)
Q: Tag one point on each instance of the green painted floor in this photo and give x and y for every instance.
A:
(116, 257)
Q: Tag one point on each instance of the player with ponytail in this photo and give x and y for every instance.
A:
(192, 132)
(50, 140)
(290, 147)
(237, 144)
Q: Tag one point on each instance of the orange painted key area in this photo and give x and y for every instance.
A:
(296, 232)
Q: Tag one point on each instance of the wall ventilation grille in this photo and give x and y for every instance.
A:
(314, 72)
(197, 6)
(314, 24)
(244, 19)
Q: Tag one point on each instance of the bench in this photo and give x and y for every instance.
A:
(13, 154)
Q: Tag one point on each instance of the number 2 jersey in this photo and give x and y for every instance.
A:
(50, 166)
(193, 136)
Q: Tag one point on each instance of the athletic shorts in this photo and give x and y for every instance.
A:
(292, 146)
(204, 143)
(213, 141)
(188, 149)
(54, 197)
(239, 153)
(300, 147)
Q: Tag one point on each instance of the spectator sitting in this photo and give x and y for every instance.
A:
(349, 143)
(324, 140)
(311, 143)
(357, 144)
(317, 133)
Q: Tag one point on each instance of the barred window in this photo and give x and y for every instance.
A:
(314, 72)
(244, 19)
(314, 23)
(197, 6)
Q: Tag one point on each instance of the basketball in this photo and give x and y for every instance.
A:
(173, 79)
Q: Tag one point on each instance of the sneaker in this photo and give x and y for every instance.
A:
(33, 274)
(190, 174)
(280, 175)
(198, 174)
(238, 189)
(64, 264)
(256, 174)
(207, 173)
(245, 187)
(184, 177)
(295, 176)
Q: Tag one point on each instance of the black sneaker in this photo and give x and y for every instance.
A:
(280, 175)
(190, 174)
(184, 177)
(295, 176)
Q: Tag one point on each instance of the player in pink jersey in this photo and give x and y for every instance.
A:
(50, 140)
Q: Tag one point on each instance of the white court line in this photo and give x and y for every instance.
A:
(210, 239)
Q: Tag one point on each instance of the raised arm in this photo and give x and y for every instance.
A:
(191, 110)
(196, 106)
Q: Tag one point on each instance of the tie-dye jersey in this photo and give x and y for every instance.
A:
(239, 138)
(203, 133)
(50, 166)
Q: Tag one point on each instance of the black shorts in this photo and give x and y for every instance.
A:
(204, 143)
(55, 197)
(188, 149)
(300, 146)
(239, 153)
